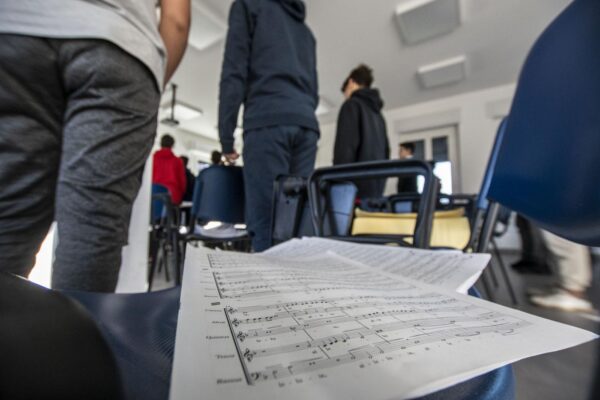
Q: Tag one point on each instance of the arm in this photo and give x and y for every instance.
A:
(234, 75)
(387, 141)
(174, 28)
(316, 79)
(347, 138)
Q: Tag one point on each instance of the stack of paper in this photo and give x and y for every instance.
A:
(315, 319)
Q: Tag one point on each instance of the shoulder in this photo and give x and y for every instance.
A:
(351, 105)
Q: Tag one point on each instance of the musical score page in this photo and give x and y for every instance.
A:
(452, 270)
(324, 327)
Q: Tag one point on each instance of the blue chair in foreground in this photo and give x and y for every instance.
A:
(548, 168)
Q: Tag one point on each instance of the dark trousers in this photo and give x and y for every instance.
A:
(270, 153)
(77, 123)
(533, 245)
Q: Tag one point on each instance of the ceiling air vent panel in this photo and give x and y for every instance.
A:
(446, 72)
(420, 20)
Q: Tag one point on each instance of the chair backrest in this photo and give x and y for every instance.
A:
(219, 195)
(158, 202)
(547, 168)
(50, 348)
(484, 216)
(482, 198)
(322, 180)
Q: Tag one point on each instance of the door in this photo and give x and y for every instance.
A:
(439, 145)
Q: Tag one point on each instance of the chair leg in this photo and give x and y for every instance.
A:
(154, 261)
(493, 275)
(486, 286)
(504, 270)
(175, 257)
(167, 252)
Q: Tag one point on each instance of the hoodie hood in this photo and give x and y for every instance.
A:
(295, 8)
(370, 97)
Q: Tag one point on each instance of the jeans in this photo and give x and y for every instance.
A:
(77, 123)
(269, 153)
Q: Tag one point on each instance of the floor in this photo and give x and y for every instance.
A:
(568, 374)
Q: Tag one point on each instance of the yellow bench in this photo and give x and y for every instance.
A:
(450, 228)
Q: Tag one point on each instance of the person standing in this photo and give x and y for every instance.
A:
(270, 66)
(168, 170)
(361, 129)
(189, 180)
(572, 266)
(407, 184)
(80, 85)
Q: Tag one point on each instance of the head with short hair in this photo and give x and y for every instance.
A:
(360, 77)
(185, 160)
(407, 150)
(167, 141)
(215, 157)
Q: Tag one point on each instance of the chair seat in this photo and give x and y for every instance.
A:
(140, 328)
(450, 228)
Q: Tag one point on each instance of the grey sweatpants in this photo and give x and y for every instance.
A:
(77, 123)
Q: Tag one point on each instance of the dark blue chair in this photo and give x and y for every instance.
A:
(219, 195)
(160, 196)
(165, 247)
(548, 167)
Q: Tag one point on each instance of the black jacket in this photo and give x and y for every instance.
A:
(270, 66)
(362, 136)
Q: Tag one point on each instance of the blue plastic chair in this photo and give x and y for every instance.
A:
(159, 193)
(548, 168)
(219, 195)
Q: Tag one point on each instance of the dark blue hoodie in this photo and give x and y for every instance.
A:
(269, 66)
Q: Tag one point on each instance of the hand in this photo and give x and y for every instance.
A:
(231, 158)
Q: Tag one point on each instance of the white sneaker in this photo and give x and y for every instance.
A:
(562, 300)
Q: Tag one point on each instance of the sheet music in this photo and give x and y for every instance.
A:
(239, 275)
(328, 341)
(452, 270)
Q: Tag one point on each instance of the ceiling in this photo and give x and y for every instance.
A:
(494, 37)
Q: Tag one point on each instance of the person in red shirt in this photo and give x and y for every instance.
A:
(168, 170)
